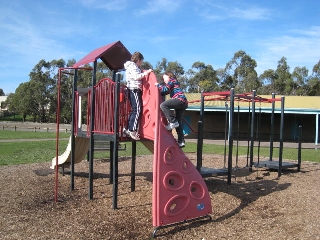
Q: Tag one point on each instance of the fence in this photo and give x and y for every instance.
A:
(35, 127)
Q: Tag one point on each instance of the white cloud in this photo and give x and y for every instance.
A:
(212, 11)
(161, 39)
(114, 5)
(314, 31)
(253, 13)
(301, 48)
(27, 42)
(154, 6)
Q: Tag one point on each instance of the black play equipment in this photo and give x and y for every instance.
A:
(254, 128)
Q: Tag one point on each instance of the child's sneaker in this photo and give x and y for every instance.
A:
(126, 132)
(171, 126)
(181, 144)
(134, 135)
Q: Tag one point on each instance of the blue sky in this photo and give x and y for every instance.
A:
(185, 31)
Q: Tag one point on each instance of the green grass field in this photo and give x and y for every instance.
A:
(26, 152)
(7, 134)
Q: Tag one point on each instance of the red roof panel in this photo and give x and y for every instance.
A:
(114, 55)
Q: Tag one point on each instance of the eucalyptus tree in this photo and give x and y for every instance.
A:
(66, 88)
(225, 80)
(314, 81)
(164, 65)
(316, 70)
(65, 85)
(146, 65)
(103, 71)
(84, 80)
(300, 79)
(268, 81)
(43, 85)
(176, 68)
(284, 81)
(84, 77)
(183, 80)
(241, 71)
(1, 92)
(160, 68)
(202, 77)
(22, 100)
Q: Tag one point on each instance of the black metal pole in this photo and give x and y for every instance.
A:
(133, 166)
(299, 147)
(111, 163)
(248, 139)
(272, 126)
(281, 137)
(252, 128)
(200, 135)
(111, 143)
(258, 133)
(115, 144)
(74, 89)
(225, 135)
(94, 79)
(238, 136)
(230, 134)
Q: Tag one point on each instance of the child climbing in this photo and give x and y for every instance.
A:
(134, 83)
(177, 101)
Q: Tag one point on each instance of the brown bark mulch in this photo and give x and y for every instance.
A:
(257, 204)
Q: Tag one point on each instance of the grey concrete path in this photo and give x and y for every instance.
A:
(52, 127)
(256, 143)
(206, 141)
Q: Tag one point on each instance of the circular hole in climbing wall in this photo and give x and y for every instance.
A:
(146, 96)
(145, 120)
(196, 190)
(186, 165)
(170, 155)
(176, 205)
(173, 181)
(172, 207)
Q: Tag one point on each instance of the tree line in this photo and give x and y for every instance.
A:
(38, 96)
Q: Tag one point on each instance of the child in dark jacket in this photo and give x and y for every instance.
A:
(177, 101)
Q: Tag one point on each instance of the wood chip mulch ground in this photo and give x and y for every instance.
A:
(257, 204)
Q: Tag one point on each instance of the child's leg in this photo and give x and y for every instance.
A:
(179, 130)
(166, 106)
(136, 103)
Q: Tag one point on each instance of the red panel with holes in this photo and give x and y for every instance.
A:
(179, 191)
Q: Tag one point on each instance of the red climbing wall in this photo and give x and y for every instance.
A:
(179, 191)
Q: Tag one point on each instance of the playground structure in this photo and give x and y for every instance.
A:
(179, 191)
(254, 125)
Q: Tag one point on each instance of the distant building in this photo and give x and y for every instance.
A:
(298, 110)
(2, 100)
